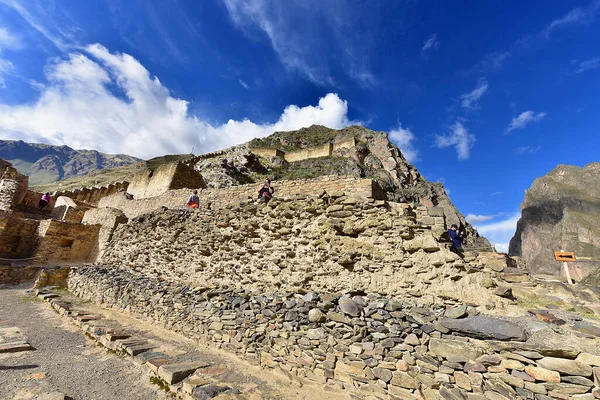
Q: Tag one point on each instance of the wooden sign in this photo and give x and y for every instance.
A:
(565, 256)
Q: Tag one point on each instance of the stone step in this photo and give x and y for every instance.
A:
(14, 347)
(47, 296)
(175, 373)
(137, 349)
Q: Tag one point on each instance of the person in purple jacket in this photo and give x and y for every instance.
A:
(44, 201)
(457, 237)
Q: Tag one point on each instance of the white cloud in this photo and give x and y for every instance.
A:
(309, 38)
(8, 40)
(6, 67)
(501, 247)
(587, 65)
(524, 119)
(477, 218)
(577, 16)
(36, 15)
(521, 151)
(403, 138)
(499, 233)
(78, 106)
(244, 84)
(468, 101)
(460, 138)
(430, 44)
(496, 193)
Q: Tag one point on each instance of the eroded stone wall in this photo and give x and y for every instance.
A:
(372, 345)
(166, 177)
(108, 219)
(93, 195)
(18, 236)
(224, 197)
(62, 241)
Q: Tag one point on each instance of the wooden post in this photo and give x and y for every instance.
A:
(566, 267)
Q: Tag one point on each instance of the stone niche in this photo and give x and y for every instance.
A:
(151, 183)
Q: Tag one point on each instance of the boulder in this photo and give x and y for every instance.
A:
(483, 327)
(567, 367)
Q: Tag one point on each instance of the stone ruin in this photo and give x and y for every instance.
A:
(329, 283)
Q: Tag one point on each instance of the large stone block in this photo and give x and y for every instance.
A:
(175, 373)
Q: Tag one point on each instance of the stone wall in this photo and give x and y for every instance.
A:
(18, 236)
(62, 241)
(268, 152)
(9, 192)
(344, 143)
(322, 243)
(15, 275)
(152, 183)
(43, 276)
(224, 197)
(432, 217)
(325, 150)
(108, 219)
(67, 209)
(92, 195)
(373, 346)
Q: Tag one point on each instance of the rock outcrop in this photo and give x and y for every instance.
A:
(561, 211)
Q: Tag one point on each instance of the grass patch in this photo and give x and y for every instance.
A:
(160, 383)
(584, 313)
(31, 299)
(537, 302)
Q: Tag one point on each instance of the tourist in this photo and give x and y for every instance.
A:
(44, 201)
(457, 237)
(194, 200)
(266, 191)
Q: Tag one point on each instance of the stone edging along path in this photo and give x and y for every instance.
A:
(370, 345)
(191, 379)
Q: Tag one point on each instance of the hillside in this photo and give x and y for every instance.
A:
(561, 210)
(47, 164)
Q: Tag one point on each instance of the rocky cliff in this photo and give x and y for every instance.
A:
(369, 155)
(46, 164)
(561, 210)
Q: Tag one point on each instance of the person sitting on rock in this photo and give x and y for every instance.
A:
(193, 200)
(456, 236)
(44, 201)
(266, 191)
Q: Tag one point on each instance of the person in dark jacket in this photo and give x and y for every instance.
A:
(456, 236)
(265, 193)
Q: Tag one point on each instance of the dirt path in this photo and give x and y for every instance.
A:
(63, 359)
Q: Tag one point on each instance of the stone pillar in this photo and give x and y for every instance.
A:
(9, 190)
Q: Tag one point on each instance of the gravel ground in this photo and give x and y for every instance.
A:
(63, 359)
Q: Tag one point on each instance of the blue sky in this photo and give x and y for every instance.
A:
(484, 96)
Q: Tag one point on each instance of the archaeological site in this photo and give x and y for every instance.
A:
(342, 286)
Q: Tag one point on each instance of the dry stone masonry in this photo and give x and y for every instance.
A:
(369, 344)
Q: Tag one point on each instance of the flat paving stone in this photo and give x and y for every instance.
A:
(14, 347)
(175, 373)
